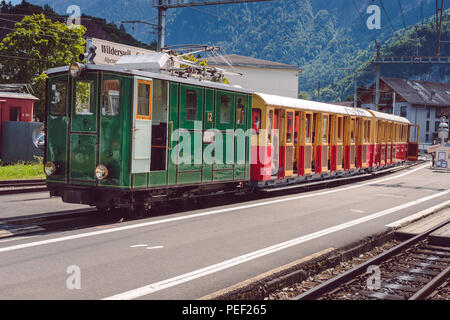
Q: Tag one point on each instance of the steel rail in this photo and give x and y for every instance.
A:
(431, 286)
(336, 282)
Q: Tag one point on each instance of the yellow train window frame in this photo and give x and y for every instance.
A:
(143, 116)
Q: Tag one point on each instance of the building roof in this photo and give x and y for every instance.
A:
(421, 92)
(243, 61)
(17, 95)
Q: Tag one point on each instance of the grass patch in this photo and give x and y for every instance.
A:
(22, 171)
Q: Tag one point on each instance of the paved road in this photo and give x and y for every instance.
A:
(190, 254)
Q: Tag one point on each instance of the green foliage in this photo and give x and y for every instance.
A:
(407, 42)
(36, 45)
(22, 171)
(304, 95)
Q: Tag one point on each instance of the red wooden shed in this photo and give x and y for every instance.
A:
(15, 106)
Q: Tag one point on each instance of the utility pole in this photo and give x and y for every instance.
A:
(318, 91)
(439, 11)
(377, 77)
(163, 5)
(161, 25)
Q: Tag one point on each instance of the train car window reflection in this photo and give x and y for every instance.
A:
(240, 113)
(339, 133)
(325, 129)
(144, 100)
(58, 98)
(111, 94)
(225, 109)
(84, 98)
(308, 128)
(269, 126)
(352, 131)
(256, 120)
(289, 127)
(191, 105)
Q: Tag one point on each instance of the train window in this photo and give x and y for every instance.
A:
(314, 132)
(325, 129)
(225, 108)
(340, 131)
(352, 131)
(144, 100)
(308, 128)
(269, 126)
(240, 112)
(256, 120)
(367, 130)
(84, 97)
(191, 105)
(290, 120)
(58, 98)
(111, 94)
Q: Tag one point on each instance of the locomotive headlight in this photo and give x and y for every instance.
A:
(49, 168)
(101, 172)
(76, 69)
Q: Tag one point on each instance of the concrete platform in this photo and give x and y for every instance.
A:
(439, 237)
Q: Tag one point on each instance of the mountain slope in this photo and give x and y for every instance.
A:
(324, 38)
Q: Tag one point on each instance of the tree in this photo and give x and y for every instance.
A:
(304, 95)
(38, 44)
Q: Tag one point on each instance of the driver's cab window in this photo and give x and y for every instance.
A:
(58, 98)
(84, 98)
(111, 94)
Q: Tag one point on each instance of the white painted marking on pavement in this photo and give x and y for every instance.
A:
(155, 247)
(196, 215)
(417, 215)
(138, 245)
(390, 195)
(154, 287)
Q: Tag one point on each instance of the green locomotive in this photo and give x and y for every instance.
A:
(111, 143)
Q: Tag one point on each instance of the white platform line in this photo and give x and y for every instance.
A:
(196, 215)
(154, 287)
(417, 216)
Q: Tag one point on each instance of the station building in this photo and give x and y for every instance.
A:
(421, 102)
(260, 75)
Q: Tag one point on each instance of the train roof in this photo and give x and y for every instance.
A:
(156, 75)
(301, 104)
(389, 117)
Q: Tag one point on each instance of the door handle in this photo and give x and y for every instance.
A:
(170, 135)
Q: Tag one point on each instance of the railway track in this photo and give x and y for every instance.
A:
(413, 270)
(22, 186)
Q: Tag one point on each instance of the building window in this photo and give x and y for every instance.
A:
(427, 138)
(14, 114)
(403, 111)
(428, 126)
(428, 113)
